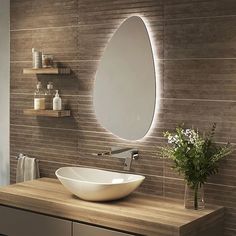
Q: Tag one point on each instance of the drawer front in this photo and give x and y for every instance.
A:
(15, 222)
(89, 230)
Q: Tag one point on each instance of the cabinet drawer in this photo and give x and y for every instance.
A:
(88, 230)
(15, 222)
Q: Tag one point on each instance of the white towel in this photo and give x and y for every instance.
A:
(31, 169)
(27, 169)
(20, 169)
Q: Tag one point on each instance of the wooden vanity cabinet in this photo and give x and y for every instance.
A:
(16, 222)
(89, 230)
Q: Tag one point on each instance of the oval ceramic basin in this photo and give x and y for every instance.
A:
(98, 185)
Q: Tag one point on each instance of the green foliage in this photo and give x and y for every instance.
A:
(195, 156)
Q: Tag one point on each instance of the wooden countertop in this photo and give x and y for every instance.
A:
(138, 213)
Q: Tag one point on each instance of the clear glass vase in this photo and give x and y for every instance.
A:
(194, 197)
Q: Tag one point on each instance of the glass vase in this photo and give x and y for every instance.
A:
(194, 197)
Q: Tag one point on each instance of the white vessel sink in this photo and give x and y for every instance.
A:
(98, 185)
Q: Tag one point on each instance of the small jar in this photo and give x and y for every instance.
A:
(47, 60)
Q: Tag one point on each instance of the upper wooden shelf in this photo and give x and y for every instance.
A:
(47, 71)
(47, 113)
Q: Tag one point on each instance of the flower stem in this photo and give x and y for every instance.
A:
(196, 197)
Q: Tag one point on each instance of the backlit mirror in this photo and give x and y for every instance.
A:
(125, 85)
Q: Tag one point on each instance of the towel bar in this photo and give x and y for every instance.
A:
(21, 155)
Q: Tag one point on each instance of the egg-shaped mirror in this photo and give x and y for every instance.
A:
(125, 84)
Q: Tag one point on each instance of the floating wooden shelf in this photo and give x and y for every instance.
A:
(47, 71)
(47, 113)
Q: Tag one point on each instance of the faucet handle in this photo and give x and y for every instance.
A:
(134, 154)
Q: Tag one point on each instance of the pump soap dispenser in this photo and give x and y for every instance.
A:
(57, 102)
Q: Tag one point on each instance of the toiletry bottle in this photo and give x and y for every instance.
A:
(39, 97)
(49, 96)
(57, 102)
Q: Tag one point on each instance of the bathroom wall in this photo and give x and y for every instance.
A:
(4, 91)
(195, 42)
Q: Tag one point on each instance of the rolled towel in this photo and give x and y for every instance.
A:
(27, 169)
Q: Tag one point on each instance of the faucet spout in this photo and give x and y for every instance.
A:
(134, 155)
(129, 154)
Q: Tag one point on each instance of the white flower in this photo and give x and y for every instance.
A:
(173, 139)
(188, 132)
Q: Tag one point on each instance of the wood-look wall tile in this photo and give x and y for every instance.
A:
(54, 137)
(53, 13)
(176, 9)
(21, 45)
(19, 82)
(87, 72)
(45, 144)
(153, 185)
(200, 38)
(226, 175)
(62, 43)
(193, 112)
(21, 11)
(156, 34)
(92, 40)
(221, 195)
(169, 171)
(103, 12)
(200, 79)
(174, 188)
(166, 124)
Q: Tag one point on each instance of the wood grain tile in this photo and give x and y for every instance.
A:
(21, 45)
(100, 12)
(200, 79)
(200, 38)
(60, 42)
(53, 13)
(177, 9)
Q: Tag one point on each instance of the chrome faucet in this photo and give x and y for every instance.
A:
(129, 154)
